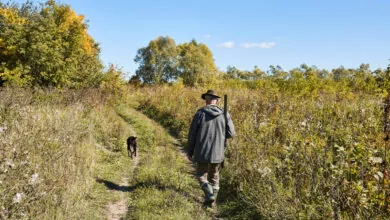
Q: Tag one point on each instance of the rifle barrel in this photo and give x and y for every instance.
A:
(225, 110)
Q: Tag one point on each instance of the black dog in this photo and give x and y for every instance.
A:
(132, 142)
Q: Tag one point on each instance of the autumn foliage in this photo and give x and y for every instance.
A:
(46, 46)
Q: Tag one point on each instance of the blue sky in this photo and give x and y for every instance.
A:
(246, 33)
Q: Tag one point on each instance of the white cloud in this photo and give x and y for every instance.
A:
(263, 45)
(207, 36)
(228, 44)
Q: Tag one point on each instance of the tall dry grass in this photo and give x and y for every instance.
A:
(50, 143)
(319, 156)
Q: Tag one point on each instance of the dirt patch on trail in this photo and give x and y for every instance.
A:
(117, 210)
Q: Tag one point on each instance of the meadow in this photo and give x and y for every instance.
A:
(316, 155)
(54, 144)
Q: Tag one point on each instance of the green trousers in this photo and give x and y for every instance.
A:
(208, 173)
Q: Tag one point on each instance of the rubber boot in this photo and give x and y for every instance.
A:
(208, 192)
(215, 192)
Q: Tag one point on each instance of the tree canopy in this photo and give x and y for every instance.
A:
(158, 61)
(162, 61)
(196, 64)
(46, 45)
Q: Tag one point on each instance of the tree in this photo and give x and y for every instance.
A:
(196, 64)
(277, 72)
(135, 81)
(47, 46)
(363, 78)
(158, 61)
(341, 74)
(257, 73)
(112, 81)
(232, 72)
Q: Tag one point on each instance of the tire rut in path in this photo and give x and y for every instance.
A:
(117, 210)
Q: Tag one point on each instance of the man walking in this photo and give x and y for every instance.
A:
(206, 138)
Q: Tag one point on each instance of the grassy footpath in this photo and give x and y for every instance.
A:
(163, 186)
(63, 156)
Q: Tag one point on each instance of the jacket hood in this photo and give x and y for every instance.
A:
(212, 110)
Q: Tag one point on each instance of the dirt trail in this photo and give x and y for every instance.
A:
(118, 209)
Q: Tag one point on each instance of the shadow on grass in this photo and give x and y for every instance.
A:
(148, 184)
(113, 186)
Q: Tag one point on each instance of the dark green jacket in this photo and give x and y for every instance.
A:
(207, 135)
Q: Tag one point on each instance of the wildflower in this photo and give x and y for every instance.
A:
(9, 163)
(262, 124)
(375, 160)
(304, 123)
(33, 179)
(264, 172)
(18, 198)
(3, 129)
